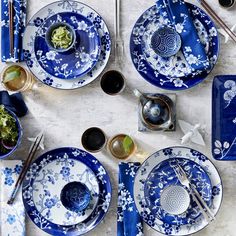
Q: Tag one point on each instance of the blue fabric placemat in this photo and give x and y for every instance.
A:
(177, 14)
(19, 14)
(129, 222)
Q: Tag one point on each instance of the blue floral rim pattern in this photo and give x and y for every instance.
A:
(38, 20)
(153, 75)
(71, 154)
(147, 213)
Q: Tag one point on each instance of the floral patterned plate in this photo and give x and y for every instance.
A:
(77, 61)
(35, 25)
(163, 175)
(181, 153)
(224, 118)
(171, 73)
(45, 180)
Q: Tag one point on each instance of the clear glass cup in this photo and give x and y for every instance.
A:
(23, 82)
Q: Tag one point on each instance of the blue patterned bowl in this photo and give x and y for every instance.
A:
(49, 34)
(166, 42)
(20, 133)
(75, 196)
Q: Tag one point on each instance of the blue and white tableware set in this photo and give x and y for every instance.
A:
(66, 191)
(80, 64)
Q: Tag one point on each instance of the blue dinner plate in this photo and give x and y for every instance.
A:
(156, 170)
(163, 175)
(75, 62)
(45, 179)
(224, 118)
(171, 73)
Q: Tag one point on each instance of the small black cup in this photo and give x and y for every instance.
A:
(226, 3)
(93, 139)
(112, 82)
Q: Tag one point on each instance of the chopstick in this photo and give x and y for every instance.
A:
(11, 29)
(211, 12)
(25, 169)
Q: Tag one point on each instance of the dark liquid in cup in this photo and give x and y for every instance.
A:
(226, 3)
(93, 139)
(112, 82)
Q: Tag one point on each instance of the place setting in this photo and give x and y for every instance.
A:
(74, 189)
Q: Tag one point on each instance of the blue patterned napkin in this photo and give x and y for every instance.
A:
(19, 26)
(14, 103)
(129, 222)
(176, 13)
(12, 218)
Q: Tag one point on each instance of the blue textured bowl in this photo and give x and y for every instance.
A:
(166, 42)
(49, 34)
(75, 196)
(20, 133)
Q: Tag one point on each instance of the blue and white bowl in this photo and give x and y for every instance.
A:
(20, 133)
(166, 42)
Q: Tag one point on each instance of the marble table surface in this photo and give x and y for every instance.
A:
(64, 115)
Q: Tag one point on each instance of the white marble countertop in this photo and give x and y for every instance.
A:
(64, 115)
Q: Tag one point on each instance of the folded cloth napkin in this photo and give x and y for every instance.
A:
(12, 217)
(19, 14)
(129, 222)
(14, 103)
(177, 14)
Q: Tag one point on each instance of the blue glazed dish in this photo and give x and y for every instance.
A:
(66, 158)
(224, 118)
(166, 42)
(82, 56)
(75, 196)
(155, 74)
(20, 133)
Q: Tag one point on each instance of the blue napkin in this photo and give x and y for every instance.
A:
(19, 14)
(129, 222)
(14, 103)
(177, 14)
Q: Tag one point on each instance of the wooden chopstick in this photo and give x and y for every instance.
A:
(25, 169)
(11, 27)
(211, 12)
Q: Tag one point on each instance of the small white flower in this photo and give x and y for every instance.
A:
(82, 26)
(178, 82)
(77, 65)
(213, 32)
(84, 57)
(51, 55)
(179, 28)
(39, 53)
(191, 59)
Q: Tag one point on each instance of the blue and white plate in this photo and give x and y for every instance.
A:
(157, 182)
(224, 118)
(77, 61)
(45, 180)
(35, 28)
(157, 170)
(171, 73)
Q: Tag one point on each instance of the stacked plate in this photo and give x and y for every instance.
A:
(52, 192)
(173, 72)
(164, 203)
(78, 66)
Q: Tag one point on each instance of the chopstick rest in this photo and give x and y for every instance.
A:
(12, 33)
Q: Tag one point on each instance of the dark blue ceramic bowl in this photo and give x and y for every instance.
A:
(49, 34)
(166, 42)
(75, 196)
(20, 133)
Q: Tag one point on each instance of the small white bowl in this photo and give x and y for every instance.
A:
(175, 200)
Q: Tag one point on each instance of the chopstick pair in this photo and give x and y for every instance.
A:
(25, 168)
(211, 12)
(11, 26)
